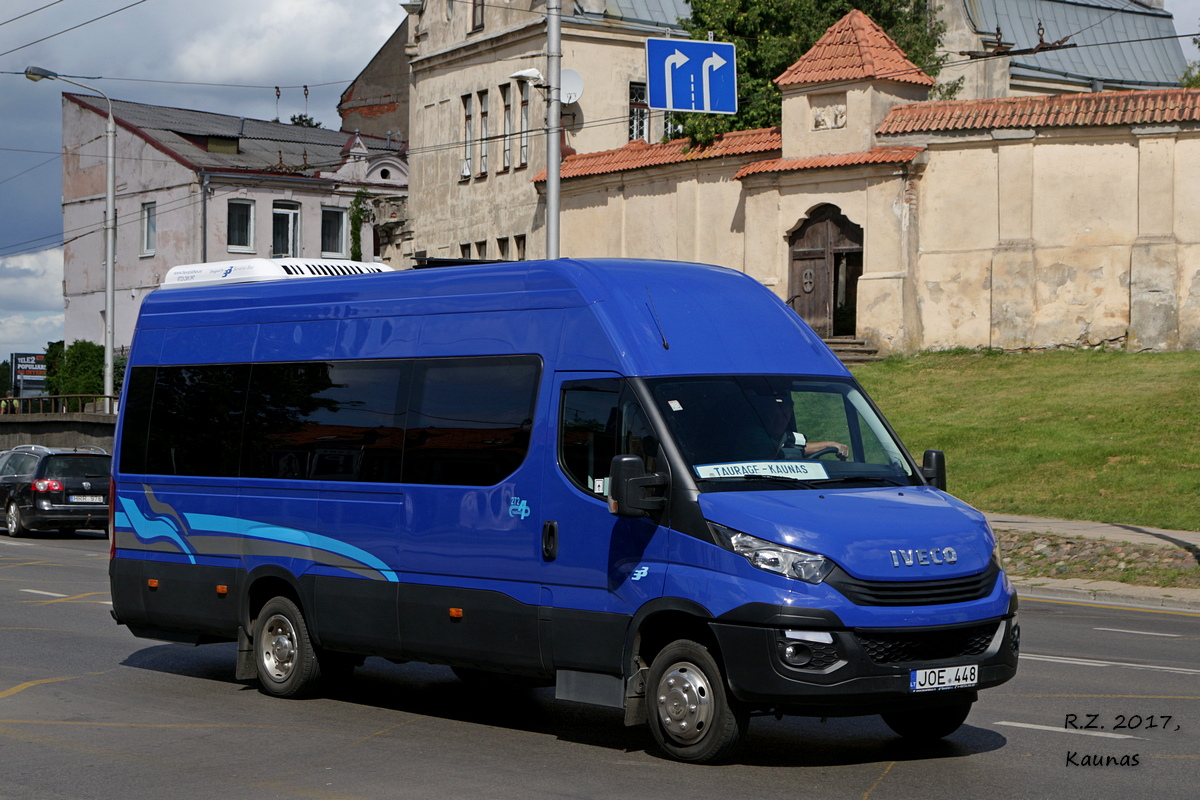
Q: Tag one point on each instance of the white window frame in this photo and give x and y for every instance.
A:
(524, 153)
(343, 250)
(639, 112)
(506, 99)
(240, 248)
(483, 133)
(291, 210)
(468, 157)
(149, 228)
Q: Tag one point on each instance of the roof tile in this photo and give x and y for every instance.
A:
(876, 155)
(854, 49)
(638, 154)
(1145, 107)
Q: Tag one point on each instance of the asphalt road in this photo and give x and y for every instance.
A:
(88, 711)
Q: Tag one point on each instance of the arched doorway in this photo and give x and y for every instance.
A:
(826, 254)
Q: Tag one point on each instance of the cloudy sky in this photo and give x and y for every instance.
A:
(288, 43)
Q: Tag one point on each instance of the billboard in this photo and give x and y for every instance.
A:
(28, 374)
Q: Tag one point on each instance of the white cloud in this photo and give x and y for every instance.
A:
(31, 302)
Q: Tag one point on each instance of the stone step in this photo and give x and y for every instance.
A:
(851, 350)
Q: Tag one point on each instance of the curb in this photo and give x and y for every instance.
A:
(1081, 590)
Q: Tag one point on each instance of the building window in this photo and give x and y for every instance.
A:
(524, 154)
(464, 171)
(149, 228)
(241, 226)
(483, 133)
(464, 251)
(506, 98)
(672, 125)
(519, 246)
(285, 229)
(481, 250)
(639, 113)
(333, 232)
(477, 15)
(502, 248)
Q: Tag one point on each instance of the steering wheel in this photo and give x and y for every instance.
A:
(824, 451)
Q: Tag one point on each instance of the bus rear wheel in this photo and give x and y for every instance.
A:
(283, 651)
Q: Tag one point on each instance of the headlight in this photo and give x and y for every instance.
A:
(786, 561)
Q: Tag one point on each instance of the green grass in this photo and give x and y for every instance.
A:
(1091, 435)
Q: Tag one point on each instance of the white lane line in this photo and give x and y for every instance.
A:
(1140, 633)
(16, 544)
(38, 591)
(1067, 730)
(1088, 662)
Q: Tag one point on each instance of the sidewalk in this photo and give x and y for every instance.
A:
(1103, 591)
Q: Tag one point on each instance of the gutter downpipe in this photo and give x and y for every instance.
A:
(553, 122)
(203, 217)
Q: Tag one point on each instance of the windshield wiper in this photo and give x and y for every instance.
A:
(859, 479)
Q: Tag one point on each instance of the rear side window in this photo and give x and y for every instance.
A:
(462, 421)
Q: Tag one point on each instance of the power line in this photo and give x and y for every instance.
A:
(72, 28)
(28, 13)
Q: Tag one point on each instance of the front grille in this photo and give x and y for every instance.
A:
(915, 593)
(925, 645)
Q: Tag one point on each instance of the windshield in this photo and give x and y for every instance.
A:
(759, 431)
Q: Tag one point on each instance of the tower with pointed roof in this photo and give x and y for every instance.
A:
(837, 93)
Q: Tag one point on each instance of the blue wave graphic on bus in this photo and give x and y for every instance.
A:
(164, 523)
(153, 527)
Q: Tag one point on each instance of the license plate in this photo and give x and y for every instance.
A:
(86, 498)
(932, 680)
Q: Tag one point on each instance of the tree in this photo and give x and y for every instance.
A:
(304, 121)
(79, 369)
(5, 376)
(771, 35)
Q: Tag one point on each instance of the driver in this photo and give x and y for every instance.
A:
(779, 419)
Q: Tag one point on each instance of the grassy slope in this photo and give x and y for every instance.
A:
(1106, 436)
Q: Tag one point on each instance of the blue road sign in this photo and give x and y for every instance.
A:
(691, 75)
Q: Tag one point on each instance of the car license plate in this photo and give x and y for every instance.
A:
(932, 680)
(86, 498)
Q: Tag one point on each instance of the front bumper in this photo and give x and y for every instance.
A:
(861, 670)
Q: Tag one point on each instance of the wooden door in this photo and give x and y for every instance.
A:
(825, 264)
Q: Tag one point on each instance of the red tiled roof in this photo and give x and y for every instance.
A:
(876, 155)
(854, 49)
(1047, 111)
(638, 154)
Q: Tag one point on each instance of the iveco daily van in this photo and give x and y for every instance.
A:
(648, 484)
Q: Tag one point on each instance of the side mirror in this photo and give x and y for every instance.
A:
(627, 485)
(933, 469)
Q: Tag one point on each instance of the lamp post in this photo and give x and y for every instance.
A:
(110, 221)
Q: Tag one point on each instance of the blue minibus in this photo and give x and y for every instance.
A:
(648, 484)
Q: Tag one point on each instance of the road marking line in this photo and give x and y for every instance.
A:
(1114, 607)
(39, 591)
(22, 687)
(1140, 633)
(62, 598)
(1067, 730)
(16, 544)
(1088, 662)
(875, 786)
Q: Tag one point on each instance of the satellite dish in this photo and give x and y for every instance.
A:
(571, 86)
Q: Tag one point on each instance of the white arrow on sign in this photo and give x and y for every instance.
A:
(711, 63)
(671, 63)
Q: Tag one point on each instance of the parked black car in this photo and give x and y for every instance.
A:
(54, 487)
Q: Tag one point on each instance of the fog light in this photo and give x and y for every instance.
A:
(797, 655)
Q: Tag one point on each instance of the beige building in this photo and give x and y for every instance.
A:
(1021, 222)
(477, 107)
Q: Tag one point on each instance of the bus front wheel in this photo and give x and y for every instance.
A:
(691, 715)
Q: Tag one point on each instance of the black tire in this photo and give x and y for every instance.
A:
(691, 714)
(12, 516)
(928, 724)
(283, 651)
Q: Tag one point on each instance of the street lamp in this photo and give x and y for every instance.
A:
(110, 221)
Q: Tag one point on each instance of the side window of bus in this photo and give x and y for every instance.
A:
(194, 424)
(469, 419)
(599, 419)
